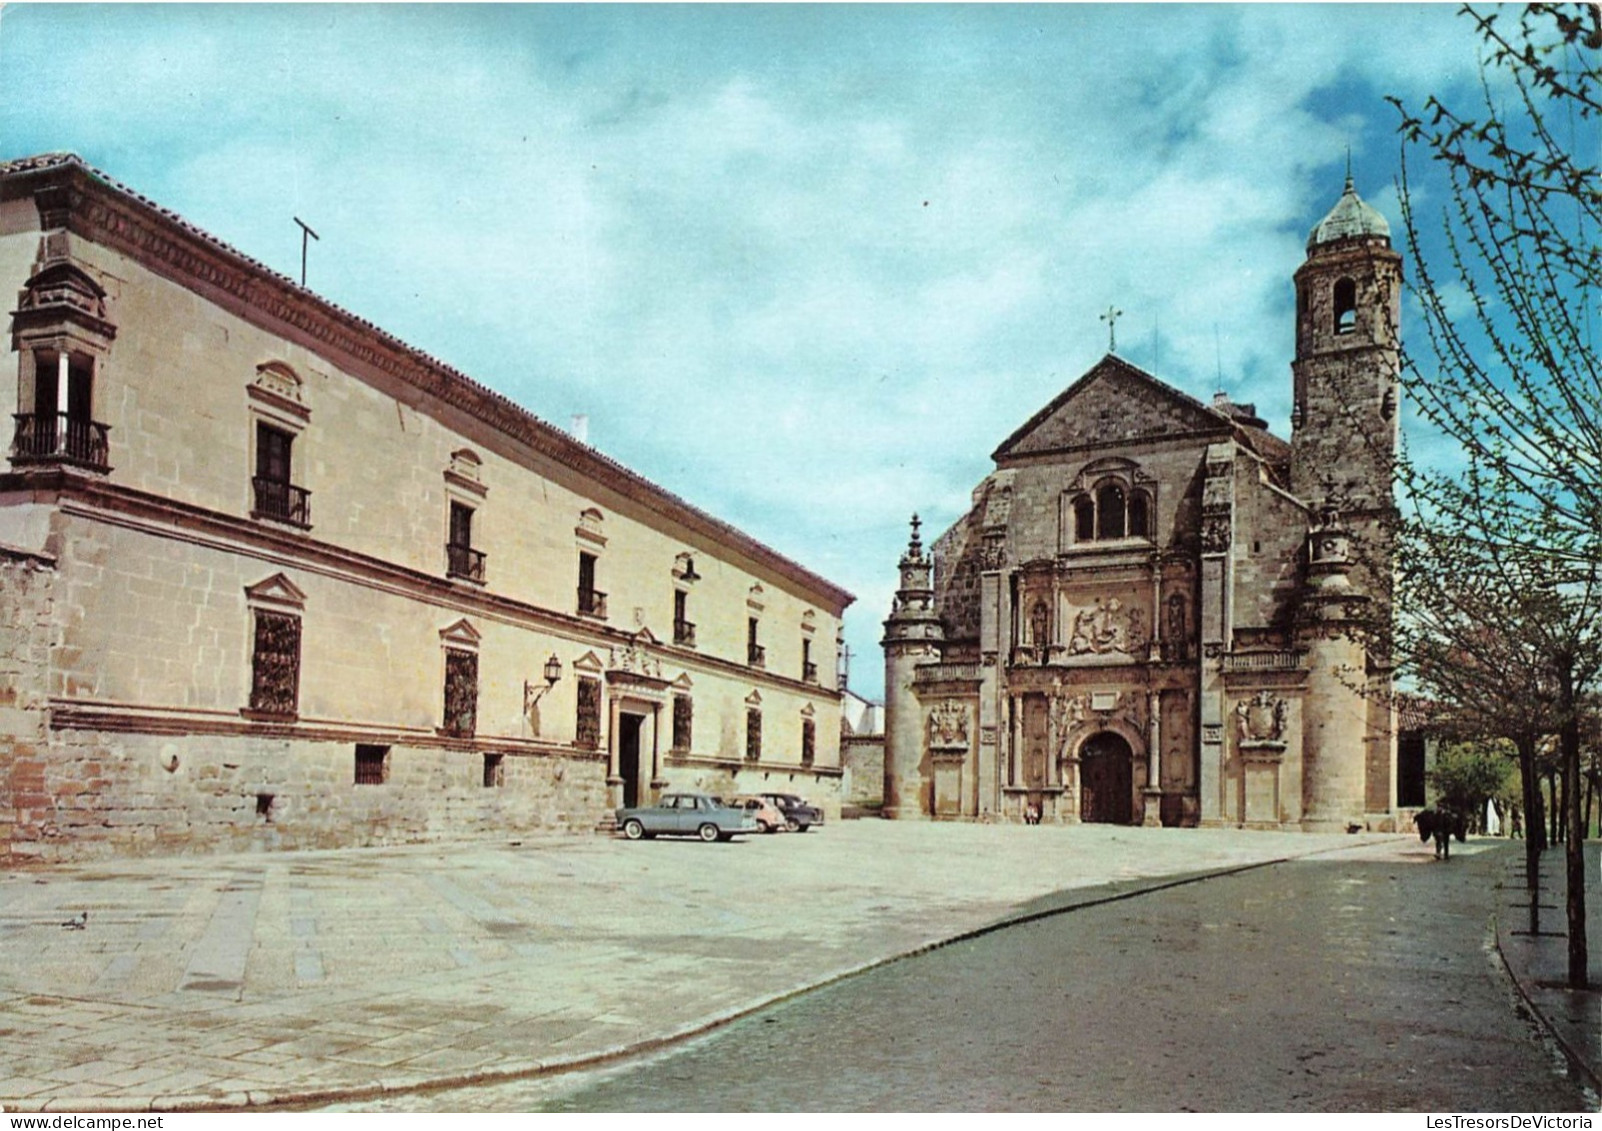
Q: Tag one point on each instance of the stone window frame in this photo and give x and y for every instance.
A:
(684, 579)
(590, 537)
(809, 735)
(1343, 306)
(457, 641)
(809, 628)
(464, 488)
(1081, 507)
(276, 399)
(589, 708)
(494, 770)
(280, 599)
(753, 727)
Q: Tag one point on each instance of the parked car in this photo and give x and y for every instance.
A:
(798, 815)
(769, 817)
(685, 814)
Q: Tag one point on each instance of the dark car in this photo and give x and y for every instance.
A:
(798, 815)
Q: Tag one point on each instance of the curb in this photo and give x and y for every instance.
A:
(301, 1100)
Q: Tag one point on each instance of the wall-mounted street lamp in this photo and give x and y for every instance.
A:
(532, 693)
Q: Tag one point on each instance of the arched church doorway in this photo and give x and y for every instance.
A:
(1106, 780)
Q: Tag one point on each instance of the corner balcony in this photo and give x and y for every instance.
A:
(57, 437)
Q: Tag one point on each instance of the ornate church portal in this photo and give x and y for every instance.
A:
(1106, 780)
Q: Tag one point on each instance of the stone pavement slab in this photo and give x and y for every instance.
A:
(229, 981)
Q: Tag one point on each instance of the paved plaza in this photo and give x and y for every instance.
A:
(227, 981)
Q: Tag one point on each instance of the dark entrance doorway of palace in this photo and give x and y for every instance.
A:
(628, 756)
(1106, 780)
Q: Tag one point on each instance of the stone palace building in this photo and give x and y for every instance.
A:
(270, 577)
(1158, 612)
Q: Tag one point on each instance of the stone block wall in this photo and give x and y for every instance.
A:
(27, 592)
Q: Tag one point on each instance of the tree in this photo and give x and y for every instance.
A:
(1515, 378)
(1468, 774)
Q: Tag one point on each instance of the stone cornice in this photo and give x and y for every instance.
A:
(103, 211)
(97, 499)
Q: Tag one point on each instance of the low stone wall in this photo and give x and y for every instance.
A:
(863, 759)
(95, 794)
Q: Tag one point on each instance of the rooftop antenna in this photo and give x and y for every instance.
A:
(305, 230)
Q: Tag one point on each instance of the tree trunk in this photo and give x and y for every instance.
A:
(1574, 850)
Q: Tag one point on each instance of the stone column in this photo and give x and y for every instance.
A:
(614, 776)
(1153, 808)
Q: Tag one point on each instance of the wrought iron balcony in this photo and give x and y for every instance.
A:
(756, 655)
(809, 671)
(464, 562)
(684, 633)
(56, 437)
(592, 603)
(282, 501)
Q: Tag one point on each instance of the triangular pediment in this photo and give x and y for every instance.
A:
(275, 590)
(1115, 404)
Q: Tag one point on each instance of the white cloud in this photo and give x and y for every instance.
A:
(804, 266)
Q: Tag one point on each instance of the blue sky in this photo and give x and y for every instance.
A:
(804, 266)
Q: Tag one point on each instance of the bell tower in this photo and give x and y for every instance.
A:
(1345, 423)
(1345, 414)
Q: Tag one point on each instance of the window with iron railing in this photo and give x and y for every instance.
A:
(683, 720)
(809, 741)
(61, 430)
(683, 627)
(591, 601)
(461, 693)
(755, 654)
(275, 664)
(461, 560)
(275, 496)
(587, 729)
(753, 736)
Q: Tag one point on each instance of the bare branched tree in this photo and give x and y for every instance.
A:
(1514, 378)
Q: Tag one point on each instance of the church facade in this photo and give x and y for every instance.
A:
(1156, 611)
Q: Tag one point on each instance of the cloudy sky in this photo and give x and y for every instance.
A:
(804, 266)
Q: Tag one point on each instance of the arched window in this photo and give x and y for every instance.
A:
(1139, 515)
(1084, 519)
(1345, 306)
(1110, 511)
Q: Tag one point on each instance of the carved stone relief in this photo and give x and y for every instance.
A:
(1106, 628)
(948, 726)
(1260, 720)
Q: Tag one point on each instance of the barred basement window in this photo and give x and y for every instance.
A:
(809, 741)
(587, 731)
(494, 771)
(683, 719)
(753, 736)
(372, 765)
(275, 664)
(461, 692)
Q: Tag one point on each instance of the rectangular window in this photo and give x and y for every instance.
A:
(461, 560)
(683, 628)
(275, 664)
(461, 692)
(276, 496)
(587, 731)
(494, 771)
(683, 720)
(591, 601)
(809, 670)
(809, 741)
(461, 525)
(372, 765)
(753, 735)
(272, 453)
(755, 654)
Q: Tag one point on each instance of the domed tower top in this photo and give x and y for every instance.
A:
(1349, 219)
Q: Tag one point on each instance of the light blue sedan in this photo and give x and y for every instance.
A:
(685, 814)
